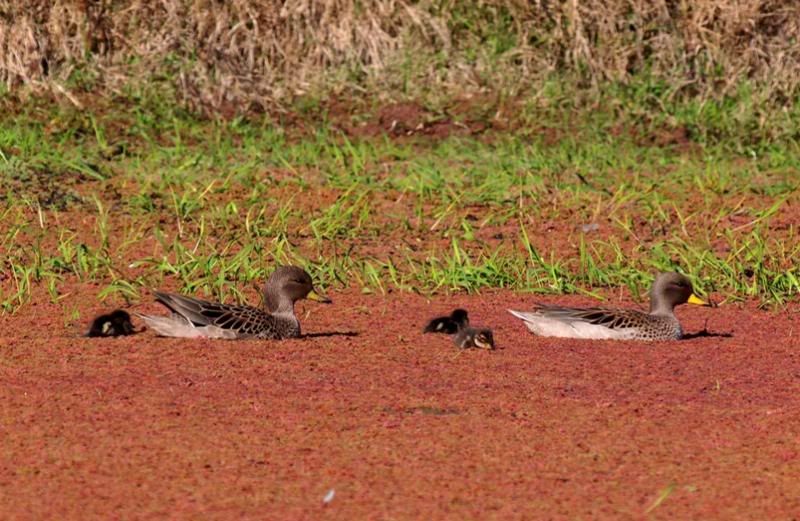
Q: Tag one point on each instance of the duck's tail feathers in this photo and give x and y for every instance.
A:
(522, 315)
(190, 308)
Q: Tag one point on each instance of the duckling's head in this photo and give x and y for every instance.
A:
(483, 339)
(288, 284)
(670, 290)
(121, 321)
(460, 317)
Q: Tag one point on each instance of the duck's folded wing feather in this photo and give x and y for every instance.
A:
(203, 313)
(607, 317)
(595, 323)
(598, 316)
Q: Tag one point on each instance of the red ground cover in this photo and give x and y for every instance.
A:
(399, 424)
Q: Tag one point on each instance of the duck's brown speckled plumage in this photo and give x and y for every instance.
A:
(630, 323)
(196, 318)
(668, 290)
(243, 321)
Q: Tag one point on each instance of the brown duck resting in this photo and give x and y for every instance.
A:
(668, 290)
(195, 318)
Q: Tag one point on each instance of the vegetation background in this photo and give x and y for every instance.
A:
(256, 55)
(643, 134)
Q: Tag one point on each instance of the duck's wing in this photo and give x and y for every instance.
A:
(611, 318)
(598, 323)
(224, 320)
(463, 339)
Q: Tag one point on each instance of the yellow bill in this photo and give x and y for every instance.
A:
(694, 299)
(315, 296)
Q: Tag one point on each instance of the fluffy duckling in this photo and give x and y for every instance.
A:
(470, 337)
(116, 323)
(448, 324)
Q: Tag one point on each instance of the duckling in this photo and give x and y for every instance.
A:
(116, 323)
(668, 290)
(195, 318)
(448, 324)
(469, 337)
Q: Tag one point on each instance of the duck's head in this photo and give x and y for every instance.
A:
(670, 290)
(483, 339)
(287, 285)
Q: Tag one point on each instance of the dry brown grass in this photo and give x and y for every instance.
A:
(251, 54)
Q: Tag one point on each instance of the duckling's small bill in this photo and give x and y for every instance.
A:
(483, 343)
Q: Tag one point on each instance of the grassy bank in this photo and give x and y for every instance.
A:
(561, 147)
(142, 193)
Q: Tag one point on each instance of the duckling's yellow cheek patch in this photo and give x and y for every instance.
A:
(483, 345)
